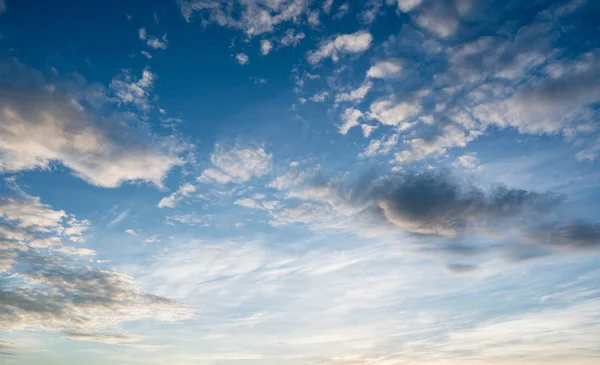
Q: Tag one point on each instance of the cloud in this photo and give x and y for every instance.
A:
(265, 46)
(319, 97)
(350, 117)
(340, 45)
(152, 41)
(387, 69)
(242, 58)
(291, 38)
(2, 6)
(253, 17)
(408, 5)
(48, 289)
(367, 129)
(129, 91)
(428, 204)
(189, 219)
(421, 148)
(131, 232)
(391, 113)
(380, 146)
(354, 95)
(372, 8)
(549, 104)
(468, 161)
(172, 200)
(237, 164)
(437, 205)
(572, 236)
(109, 338)
(248, 203)
(41, 125)
(439, 19)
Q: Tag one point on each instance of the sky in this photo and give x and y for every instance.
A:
(378, 182)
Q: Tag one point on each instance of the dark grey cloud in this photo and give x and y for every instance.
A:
(441, 204)
(449, 217)
(579, 236)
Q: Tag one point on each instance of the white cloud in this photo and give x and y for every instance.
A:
(354, 95)
(152, 239)
(439, 20)
(550, 104)
(392, 113)
(131, 91)
(381, 146)
(237, 164)
(421, 148)
(468, 161)
(319, 97)
(408, 5)
(242, 58)
(254, 17)
(153, 42)
(190, 219)
(387, 69)
(248, 203)
(265, 47)
(40, 126)
(172, 200)
(341, 45)
(291, 38)
(350, 119)
(131, 232)
(367, 129)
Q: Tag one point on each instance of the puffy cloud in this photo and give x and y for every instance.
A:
(549, 104)
(265, 47)
(380, 146)
(131, 91)
(172, 200)
(389, 112)
(41, 125)
(319, 97)
(372, 8)
(292, 38)
(421, 148)
(341, 45)
(354, 95)
(153, 42)
(367, 129)
(440, 19)
(468, 161)
(248, 203)
(242, 58)
(237, 164)
(254, 17)
(387, 69)
(350, 117)
(408, 5)
(327, 4)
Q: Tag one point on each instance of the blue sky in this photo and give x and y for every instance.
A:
(379, 182)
